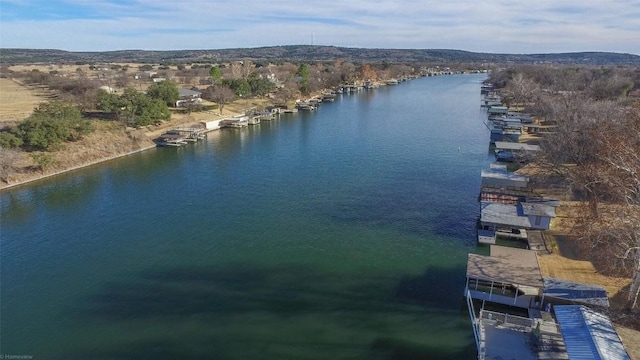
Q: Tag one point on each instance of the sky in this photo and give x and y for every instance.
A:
(494, 26)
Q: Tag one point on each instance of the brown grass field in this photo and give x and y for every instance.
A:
(17, 101)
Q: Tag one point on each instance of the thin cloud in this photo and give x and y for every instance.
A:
(502, 26)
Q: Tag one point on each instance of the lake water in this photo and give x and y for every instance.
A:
(341, 233)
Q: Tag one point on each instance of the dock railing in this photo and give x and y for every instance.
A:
(475, 324)
(524, 324)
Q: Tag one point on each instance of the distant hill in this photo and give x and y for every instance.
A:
(310, 53)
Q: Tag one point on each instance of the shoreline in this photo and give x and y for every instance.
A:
(231, 110)
(149, 134)
(73, 168)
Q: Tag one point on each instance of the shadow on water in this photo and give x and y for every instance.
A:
(407, 212)
(434, 288)
(223, 296)
(159, 349)
(389, 348)
(285, 291)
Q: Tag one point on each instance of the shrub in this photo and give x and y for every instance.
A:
(53, 123)
(9, 140)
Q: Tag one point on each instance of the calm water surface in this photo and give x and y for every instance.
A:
(337, 234)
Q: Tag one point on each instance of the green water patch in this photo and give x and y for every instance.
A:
(273, 312)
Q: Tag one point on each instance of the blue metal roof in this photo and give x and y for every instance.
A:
(576, 292)
(588, 335)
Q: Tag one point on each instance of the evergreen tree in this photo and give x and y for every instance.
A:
(167, 91)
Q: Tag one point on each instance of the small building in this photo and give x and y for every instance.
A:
(503, 179)
(514, 151)
(500, 186)
(525, 215)
(235, 122)
(512, 220)
(498, 110)
(187, 96)
(211, 124)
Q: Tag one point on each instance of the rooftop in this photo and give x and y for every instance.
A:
(538, 209)
(503, 175)
(503, 214)
(588, 334)
(188, 93)
(576, 292)
(506, 265)
(505, 145)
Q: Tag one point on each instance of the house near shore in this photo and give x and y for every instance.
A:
(187, 97)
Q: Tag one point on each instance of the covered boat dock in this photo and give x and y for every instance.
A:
(509, 276)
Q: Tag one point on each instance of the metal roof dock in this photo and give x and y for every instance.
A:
(587, 294)
(588, 334)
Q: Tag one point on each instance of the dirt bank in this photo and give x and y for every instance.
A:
(111, 140)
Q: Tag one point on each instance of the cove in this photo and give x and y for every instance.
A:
(340, 233)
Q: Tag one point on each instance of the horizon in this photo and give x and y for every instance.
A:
(500, 27)
(333, 46)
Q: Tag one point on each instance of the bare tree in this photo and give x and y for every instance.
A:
(288, 92)
(613, 241)
(236, 70)
(519, 90)
(219, 94)
(247, 68)
(366, 72)
(573, 151)
(596, 149)
(123, 80)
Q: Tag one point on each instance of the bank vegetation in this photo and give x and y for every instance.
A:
(101, 110)
(590, 140)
